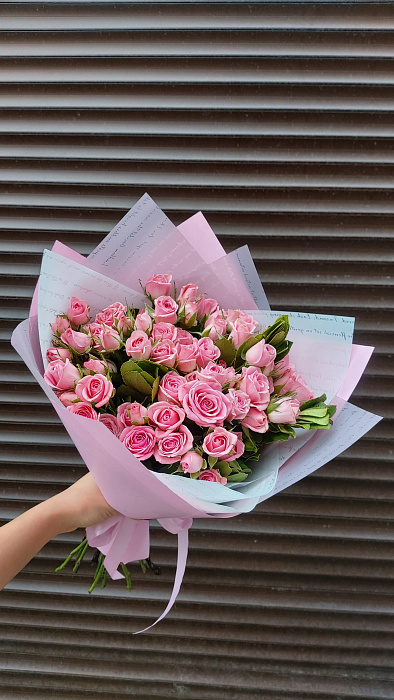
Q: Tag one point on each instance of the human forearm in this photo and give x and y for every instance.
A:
(22, 538)
(80, 505)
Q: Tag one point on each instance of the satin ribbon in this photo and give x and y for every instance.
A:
(125, 540)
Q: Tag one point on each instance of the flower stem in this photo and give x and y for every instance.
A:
(75, 552)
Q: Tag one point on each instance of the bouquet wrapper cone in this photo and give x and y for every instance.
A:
(129, 487)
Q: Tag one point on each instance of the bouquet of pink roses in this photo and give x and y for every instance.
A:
(196, 383)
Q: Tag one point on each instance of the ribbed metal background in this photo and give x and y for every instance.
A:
(276, 120)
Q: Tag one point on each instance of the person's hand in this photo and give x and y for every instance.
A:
(81, 505)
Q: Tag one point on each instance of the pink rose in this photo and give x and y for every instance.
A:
(163, 331)
(188, 293)
(68, 397)
(110, 422)
(105, 338)
(58, 354)
(290, 381)
(203, 404)
(170, 446)
(256, 420)
(143, 322)
(61, 375)
(240, 332)
(131, 414)
(191, 462)
(158, 285)
(95, 389)
(96, 366)
(111, 313)
(78, 342)
(139, 440)
(256, 385)
(284, 410)
(165, 353)
(212, 475)
(183, 337)
(217, 324)
(165, 309)
(83, 409)
(240, 404)
(219, 443)
(186, 357)
(190, 311)
(218, 372)
(169, 388)
(261, 354)
(138, 346)
(78, 311)
(208, 379)
(206, 307)
(60, 325)
(207, 351)
(164, 416)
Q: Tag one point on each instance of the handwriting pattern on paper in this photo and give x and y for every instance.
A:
(321, 350)
(351, 424)
(62, 278)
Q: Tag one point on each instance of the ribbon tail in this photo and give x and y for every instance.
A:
(183, 544)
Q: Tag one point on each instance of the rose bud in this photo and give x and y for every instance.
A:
(58, 354)
(78, 312)
(186, 357)
(60, 325)
(207, 351)
(261, 354)
(68, 397)
(61, 375)
(188, 293)
(169, 387)
(256, 420)
(111, 423)
(212, 475)
(206, 307)
(165, 309)
(83, 409)
(164, 353)
(284, 410)
(158, 285)
(163, 331)
(143, 322)
(78, 342)
(191, 462)
(138, 346)
(131, 414)
(96, 366)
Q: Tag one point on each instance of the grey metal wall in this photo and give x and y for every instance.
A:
(276, 120)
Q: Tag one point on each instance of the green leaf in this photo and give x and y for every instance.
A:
(250, 445)
(243, 349)
(155, 387)
(240, 476)
(195, 475)
(227, 350)
(224, 468)
(312, 402)
(134, 380)
(212, 461)
(277, 332)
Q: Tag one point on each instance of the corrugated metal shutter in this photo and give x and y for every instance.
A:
(276, 120)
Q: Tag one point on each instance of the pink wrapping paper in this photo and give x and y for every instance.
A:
(138, 494)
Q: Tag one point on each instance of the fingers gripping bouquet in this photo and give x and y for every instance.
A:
(181, 400)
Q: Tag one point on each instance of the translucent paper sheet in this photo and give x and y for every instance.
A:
(143, 243)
